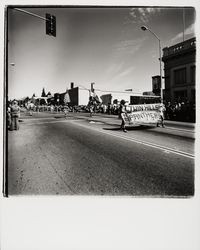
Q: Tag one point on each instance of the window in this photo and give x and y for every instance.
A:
(192, 73)
(193, 95)
(180, 76)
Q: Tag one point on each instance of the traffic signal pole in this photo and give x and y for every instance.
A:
(50, 30)
(50, 21)
(31, 14)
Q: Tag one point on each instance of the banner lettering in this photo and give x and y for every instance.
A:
(142, 114)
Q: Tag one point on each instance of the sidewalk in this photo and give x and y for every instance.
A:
(95, 116)
(187, 124)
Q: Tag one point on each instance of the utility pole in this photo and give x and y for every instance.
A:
(144, 28)
(92, 87)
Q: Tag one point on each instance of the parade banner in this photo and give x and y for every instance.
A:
(142, 114)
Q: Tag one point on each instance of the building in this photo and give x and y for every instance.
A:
(77, 96)
(117, 96)
(151, 93)
(179, 70)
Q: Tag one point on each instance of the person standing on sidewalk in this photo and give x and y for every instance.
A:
(162, 109)
(122, 110)
(15, 113)
(9, 115)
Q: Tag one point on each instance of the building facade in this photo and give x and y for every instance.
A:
(77, 96)
(180, 70)
(117, 96)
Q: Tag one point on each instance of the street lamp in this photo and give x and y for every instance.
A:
(144, 28)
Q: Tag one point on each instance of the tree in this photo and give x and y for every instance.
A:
(43, 93)
(42, 102)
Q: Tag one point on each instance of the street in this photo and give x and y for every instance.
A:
(83, 155)
(85, 165)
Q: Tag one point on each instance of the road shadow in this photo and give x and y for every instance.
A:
(140, 127)
(58, 116)
(62, 116)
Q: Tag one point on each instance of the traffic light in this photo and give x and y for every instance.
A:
(50, 25)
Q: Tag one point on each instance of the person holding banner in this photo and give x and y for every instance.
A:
(162, 109)
(122, 111)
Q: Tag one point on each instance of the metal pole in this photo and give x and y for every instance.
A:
(183, 24)
(31, 14)
(153, 33)
(161, 87)
(5, 100)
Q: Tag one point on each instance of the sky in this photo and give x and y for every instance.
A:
(101, 45)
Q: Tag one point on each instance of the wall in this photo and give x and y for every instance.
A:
(83, 97)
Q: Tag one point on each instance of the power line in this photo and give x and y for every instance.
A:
(110, 91)
(116, 91)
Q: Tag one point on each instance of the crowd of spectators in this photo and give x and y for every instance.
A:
(178, 111)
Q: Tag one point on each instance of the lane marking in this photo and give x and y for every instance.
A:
(166, 127)
(83, 118)
(149, 144)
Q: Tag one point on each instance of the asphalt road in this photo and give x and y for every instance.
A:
(79, 155)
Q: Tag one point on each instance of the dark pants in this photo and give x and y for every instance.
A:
(161, 121)
(9, 121)
(14, 123)
(123, 122)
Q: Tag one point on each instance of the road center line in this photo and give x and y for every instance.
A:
(149, 144)
(166, 126)
(77, 119)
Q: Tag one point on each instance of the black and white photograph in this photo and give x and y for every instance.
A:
(100, 125)
(100, 101)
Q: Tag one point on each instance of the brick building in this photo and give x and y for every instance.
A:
(77, 96)
(179, 70)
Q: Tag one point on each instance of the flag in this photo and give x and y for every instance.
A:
(95, 97)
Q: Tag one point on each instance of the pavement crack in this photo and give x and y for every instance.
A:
(56, 172)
